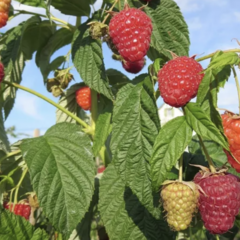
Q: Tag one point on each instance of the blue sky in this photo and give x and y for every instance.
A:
(212, 25)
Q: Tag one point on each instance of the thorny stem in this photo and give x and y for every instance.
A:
(238, 86)
(210, 55)
(86, 129)
(210, 162)
(105, 19)
(10, 155)
(180, 169)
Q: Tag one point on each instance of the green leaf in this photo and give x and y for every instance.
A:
(88, 60)
(72, 7)
(62, 173)
(34, 3)
(170, 31)
(135, 127)
(202, 124)
(59, 39)
(116, 78)
(102, 129)
(35, 35)
(68, 101)
(227, 58)
(13, 61)
(123, 215)
(170, 144)
(16, 227)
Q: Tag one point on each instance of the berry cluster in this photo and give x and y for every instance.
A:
(83, 97)
(21, 209)
(231, 128)
(130, 31)
(4, 9)
(179, 80)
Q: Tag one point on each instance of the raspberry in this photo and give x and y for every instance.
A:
(83, 98)
(179, 80)
(219, 202)
(21, 209)
(101, 169)
(130, 31)
(232, 131)
(133, 67)
(4, 9)
(180, 202)
(1, 72)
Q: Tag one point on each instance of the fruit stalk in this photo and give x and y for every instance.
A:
(94, 109)
(87, 128)
(105, 19)
(237, 85)
(180, 178)
(210, 162)
(19, 184)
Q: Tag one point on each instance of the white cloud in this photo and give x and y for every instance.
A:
(28, 104)
(188, 5)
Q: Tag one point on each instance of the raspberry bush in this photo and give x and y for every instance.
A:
(108, 169)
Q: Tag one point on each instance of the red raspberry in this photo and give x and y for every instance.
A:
(83, 98)
(232, 131)
(4, 8)
(101, 169)
(179, 80)
(1, 72)
(220, 202)
(3, 19)
(130, 31)
(20, 209)
(133, 67)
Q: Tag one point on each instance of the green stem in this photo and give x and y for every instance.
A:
(94, 109)
(9, 155)
(105, 19)
(217, 237)
(212, 54)
(19, 184)
(180, 169)
(78, 21)
(210, 162)
(80, 121)
(238, 86)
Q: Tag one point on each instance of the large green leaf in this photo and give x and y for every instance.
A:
(88, 59)
(62, 173)
(34, 3)
(35, 35)
(68, 101)
(202, 124)
(59, 39)
(123, 215)
(72, 7)
(170, 31)
(14, 227)
(170, 144)
(13, 61)
(135, 127)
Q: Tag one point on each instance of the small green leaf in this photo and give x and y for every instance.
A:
(68, 101)
(169, 145)
(14, 227)
(102, 129)
(72, 7)
(123, 215)
(62, 173)
(227, 58)
(33, 3)
(117, 79)
(202, 124)
(88, 60)
(59, 39)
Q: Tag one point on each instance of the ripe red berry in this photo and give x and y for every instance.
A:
(21, 209)
(130, 31)
(133, 67)
(1, 72)
(83, 98)
(179, 80)
(232, 131)
(4, 9)
(219, 202)
(101, 169)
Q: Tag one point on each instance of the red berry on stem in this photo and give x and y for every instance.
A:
(130, 31)
(83, 98)
(219, 202)
(179, 80)
(133, 67)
